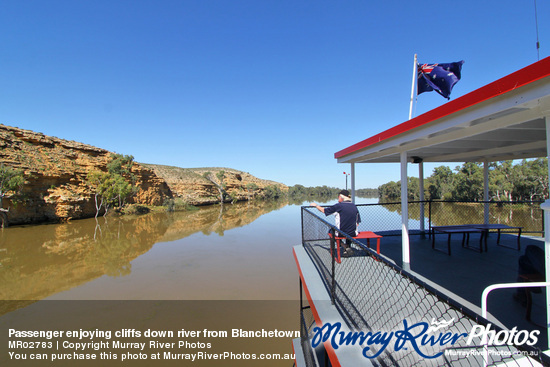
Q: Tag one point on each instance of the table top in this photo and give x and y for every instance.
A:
(495, 226)
(363, 234)
(466, 227)
(456, 229)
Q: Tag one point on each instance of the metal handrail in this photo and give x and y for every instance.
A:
(491, 288)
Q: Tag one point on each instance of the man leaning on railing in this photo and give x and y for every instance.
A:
(346, 215)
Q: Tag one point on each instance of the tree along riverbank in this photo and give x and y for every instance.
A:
(526, 180)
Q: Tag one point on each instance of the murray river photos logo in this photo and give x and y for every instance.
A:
(421, 337)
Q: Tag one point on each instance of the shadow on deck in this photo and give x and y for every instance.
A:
(468, 272)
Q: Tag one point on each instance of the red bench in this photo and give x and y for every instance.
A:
(362, 235)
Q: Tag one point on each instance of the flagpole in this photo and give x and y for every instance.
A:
(412, 86)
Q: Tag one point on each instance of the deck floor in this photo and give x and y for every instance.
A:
(467, 273)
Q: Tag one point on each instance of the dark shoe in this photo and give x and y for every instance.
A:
(348, 252)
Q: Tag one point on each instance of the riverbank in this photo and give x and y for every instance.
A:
(57, 187)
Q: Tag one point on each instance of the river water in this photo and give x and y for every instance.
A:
(204, 273)
(217, 268)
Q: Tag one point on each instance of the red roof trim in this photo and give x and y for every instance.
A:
(520, 78)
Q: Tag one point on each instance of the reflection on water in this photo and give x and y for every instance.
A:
(39, 261)
(217, 268)
(217, 252)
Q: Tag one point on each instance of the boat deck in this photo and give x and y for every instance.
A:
(371, 291)
(468, 272)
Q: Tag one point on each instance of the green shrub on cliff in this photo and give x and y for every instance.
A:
(272, 192)
(121, 164)
(136, 209)
(178, 204)
(10, 180)
(110, 189)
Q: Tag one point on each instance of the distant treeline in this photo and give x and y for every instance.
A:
(367, 193)
(300, 191)
(524, 181)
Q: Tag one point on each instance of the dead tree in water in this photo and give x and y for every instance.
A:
(220, 185)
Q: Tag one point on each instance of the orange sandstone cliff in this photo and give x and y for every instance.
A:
(55, 173)
(201, 186)
(56, 170)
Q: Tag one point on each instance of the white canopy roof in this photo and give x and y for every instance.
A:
(500, 121)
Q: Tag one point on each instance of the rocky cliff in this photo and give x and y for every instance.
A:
(202, 186)
(56, 173)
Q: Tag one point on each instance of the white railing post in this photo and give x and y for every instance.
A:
(404, 211)
(353, 182)
(421, 194)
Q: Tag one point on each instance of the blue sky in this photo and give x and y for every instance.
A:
(269, 87)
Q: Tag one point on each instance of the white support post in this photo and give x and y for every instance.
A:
(486, 192)
(421, 194)
(353, 182)
(404, 212)
(546, 208)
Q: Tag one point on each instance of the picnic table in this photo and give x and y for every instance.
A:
(466, 229)
(498, 228)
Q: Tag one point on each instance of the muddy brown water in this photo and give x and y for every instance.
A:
(219, 268)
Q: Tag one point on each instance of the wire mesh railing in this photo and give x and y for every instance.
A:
(527, 215)
(373, 294)
(385, 218)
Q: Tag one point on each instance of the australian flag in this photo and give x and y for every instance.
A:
(438, 77)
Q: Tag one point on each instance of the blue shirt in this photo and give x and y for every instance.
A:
(346, 217)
